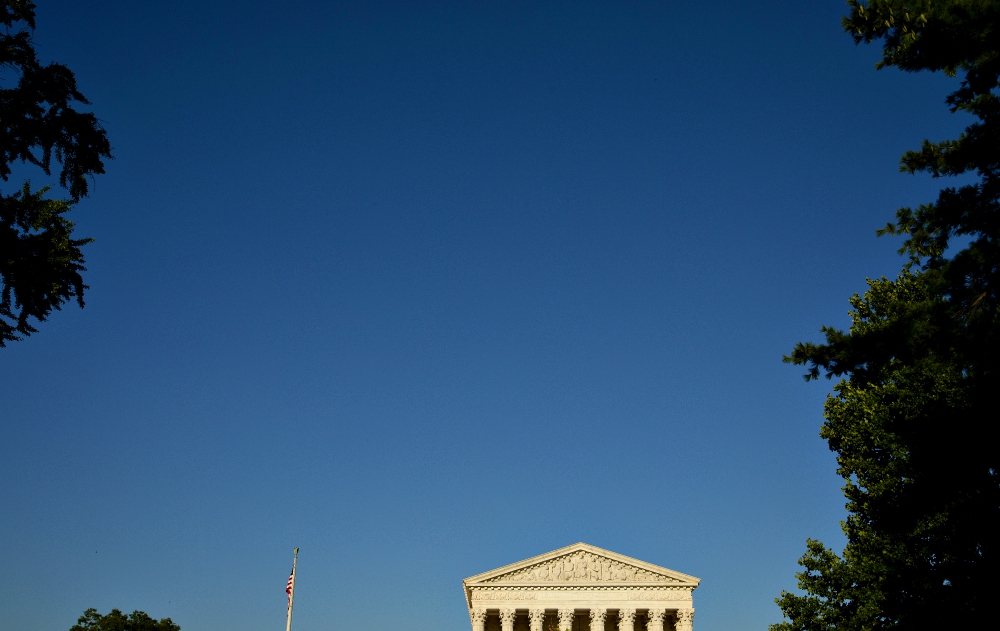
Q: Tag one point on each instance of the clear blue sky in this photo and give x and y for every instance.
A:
(429, 288)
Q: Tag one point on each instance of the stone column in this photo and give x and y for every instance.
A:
(626, 620)
(478, 617)
(685, 619)
(507, 619)
(655, 619)
(537, 618)
(566, 619)
(597, 617)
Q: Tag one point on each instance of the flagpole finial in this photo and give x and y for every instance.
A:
(296, 550)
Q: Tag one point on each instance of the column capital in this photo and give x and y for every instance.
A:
(597, 617)
(536, 618)
(655, 619)
(685, 619)
(477, 615)
(478, 618)
(507, 619)
(566, 619)
(626, 619)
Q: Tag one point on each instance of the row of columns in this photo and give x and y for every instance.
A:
(626, 619)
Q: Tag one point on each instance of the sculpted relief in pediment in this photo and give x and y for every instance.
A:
(581, 567)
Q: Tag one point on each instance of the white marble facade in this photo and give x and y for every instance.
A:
(580, 588)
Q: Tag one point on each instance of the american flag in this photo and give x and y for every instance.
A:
(290, 586)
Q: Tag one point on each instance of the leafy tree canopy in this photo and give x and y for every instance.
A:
(922, 524)
(117, 621)
(910, 420)
(40, 262)
(960, 38)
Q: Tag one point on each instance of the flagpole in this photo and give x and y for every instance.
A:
(291, 594)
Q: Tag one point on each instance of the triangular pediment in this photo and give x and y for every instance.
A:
(579, 564)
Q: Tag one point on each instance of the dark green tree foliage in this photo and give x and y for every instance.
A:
(40, 262)
(913, 422)
(117, 621)
(915, 524)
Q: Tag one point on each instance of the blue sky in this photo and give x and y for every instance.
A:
(429, 288)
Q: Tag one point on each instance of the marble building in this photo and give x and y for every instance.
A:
(580, 588)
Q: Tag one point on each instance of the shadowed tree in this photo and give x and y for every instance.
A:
(910, 420)
(117, 621)
(40, 261)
